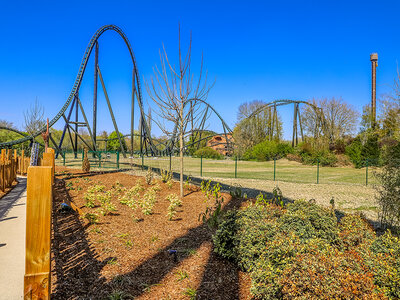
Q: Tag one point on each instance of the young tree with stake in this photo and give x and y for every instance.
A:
(177, 95)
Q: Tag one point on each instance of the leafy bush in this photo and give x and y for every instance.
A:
(309, 221)
(208, 152)
(386, 264)
(267, 150)
(354, 151)
(329, 274)
(354, 231)
(303, 252)
(324, 157)
(389, 190)
(364, 147)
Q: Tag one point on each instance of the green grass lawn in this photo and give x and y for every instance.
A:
(289, 171)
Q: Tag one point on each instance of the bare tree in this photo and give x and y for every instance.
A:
(340, 118)
(177, 94)
(5, 123)
(34, 120)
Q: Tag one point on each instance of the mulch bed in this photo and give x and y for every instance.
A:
(95, 261)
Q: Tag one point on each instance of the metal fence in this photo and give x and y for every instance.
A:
(276, 170)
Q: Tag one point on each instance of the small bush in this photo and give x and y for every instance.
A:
(208, 152)
(324, 157)
(148, 202)
(354, 231)
(328, 274)
(389, 191)
(149, 176)
(309, 221)
(165, 175)
(386, 264)
(267, 150)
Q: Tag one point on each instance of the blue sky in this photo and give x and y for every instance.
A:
(263, 50)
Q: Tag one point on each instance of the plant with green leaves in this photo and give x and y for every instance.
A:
(165, 175)
(92, 218)
(149, 176)
(107, 206)
(148, 201)
(236, 192)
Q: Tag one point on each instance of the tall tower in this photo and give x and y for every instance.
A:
(374, 64)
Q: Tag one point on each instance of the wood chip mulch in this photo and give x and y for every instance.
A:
(130, 257)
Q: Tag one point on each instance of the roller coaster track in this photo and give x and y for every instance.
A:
(147, 144)
(78, 81)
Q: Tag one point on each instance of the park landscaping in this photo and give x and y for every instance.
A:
(131, 239)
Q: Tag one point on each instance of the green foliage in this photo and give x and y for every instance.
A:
(174, 203)
(309, 221)
(354, 151)
(354, 231)
(236, 192)
(149, 176)
(92, 218)
(113, 144)
(106, 206)
(148, 201)
(365, 147)
(324, 157)
(207, 152)
(212, 215)
(191, 293)
(197, 143)
(165, 175)
(386, 264)
(267, 150)
(303, 252)
(389, 191)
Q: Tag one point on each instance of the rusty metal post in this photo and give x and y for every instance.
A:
(374, 64)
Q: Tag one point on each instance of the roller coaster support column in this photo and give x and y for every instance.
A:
(133, 109)
(96, 62)
(170, 162)
(111, 112)
(294, 137)
(76, 126)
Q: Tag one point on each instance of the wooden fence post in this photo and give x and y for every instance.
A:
(49, 160)
(38, 233)
(3, 155)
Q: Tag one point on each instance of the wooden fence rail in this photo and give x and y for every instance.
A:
(10, 165)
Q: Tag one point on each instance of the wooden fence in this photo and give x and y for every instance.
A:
(10, 165)
(37, 279)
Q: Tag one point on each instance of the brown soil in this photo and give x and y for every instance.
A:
(95, 261)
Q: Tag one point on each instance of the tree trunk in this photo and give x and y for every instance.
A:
(181, 156)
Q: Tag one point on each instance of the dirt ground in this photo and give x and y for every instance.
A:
(125, 255)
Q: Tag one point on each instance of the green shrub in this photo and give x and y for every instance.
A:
(208, 152)
(267, 150)
(308, 220)
(365, 147)
(224, 237)
(329, 274)
(386, 264)
(303, 252)
(389, 189)
(324, 157)
(354, 231)
(353, 151)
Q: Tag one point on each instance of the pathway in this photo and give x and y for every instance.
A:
(12, 242)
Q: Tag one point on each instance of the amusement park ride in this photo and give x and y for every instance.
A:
(148, 146)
